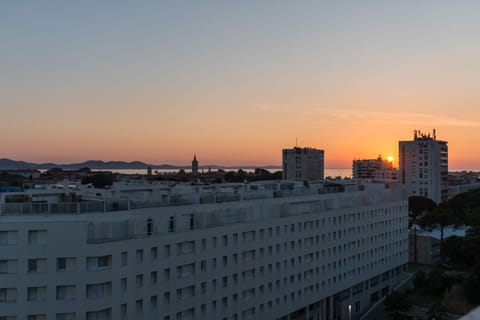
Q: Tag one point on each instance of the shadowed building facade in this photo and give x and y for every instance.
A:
(423, 166)
(303, 164)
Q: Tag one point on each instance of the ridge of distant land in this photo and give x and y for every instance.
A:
(8, 164)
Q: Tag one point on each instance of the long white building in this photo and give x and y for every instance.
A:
(271, 250)
(423, 166)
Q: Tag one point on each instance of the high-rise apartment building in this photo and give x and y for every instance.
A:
(423, 166)
(303, 164)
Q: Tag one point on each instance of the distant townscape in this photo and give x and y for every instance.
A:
(205, 243)
(7, 164)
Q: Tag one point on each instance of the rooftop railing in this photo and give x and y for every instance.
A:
(82, 207)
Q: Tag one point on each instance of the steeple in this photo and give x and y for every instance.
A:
(194, 165)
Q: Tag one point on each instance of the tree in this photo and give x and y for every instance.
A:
(454, 249)
(436, 311)
(397, 305)
(437, 282)
(439, 218)
(465, 205)
(472, 284)
(100, 180)
(420, 279)
(418, 205)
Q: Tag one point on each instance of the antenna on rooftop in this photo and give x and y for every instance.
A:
(296, 142)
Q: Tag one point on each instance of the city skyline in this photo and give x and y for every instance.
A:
(236, 83)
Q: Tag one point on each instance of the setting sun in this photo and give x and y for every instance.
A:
(390, 158)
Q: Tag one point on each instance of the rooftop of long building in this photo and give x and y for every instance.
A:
(81, 199)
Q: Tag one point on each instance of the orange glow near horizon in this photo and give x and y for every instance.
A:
(160, 82)
(339, 153)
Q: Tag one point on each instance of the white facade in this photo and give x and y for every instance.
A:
(303, 164)
(423, 166)
(258, 251)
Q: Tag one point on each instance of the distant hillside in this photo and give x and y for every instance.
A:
(12, 164)
(104, 165)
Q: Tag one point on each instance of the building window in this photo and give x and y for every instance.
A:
(124, 258)
(36, 293)
(153, 253)
(99, 290)
(8, 266)
(139, 256)
(248, 236)
(185, 270)
(105, 314)
(8, 237)
(225, 240)
(37, 265)
(149, 226)
(66, 292)
(166, 298)
(139, 281)
(123, 284)
(65, 316)
(37, 236)
(8, 295)
(37, 317)
(153, 277)
(185, 247)
(123, 311)
(153, 302)
(99, 263)
(139, 306)
(65, 264)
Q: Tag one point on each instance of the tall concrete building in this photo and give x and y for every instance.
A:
(303, 164)
(423, 166)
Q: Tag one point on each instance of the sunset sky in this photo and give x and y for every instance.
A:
(235, 82)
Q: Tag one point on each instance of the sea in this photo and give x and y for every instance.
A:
(343, 172)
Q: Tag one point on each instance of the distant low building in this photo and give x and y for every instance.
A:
(379, 169)
(462, 181)
(149, 171)
(424, 245)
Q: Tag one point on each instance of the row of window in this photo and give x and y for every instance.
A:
(104, 289)
(63, 292)
(67, 264)
(64, 264)
(226, 301)
(10, 237)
